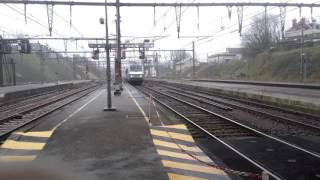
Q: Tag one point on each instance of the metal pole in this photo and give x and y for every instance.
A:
(108, 71)
(193, 61)
(118, 77)
(87, 68)
(13, 64)
(157, 65)
(1, 66)
(74, 69)
(302, 53)
(41, 64)
(149, 67)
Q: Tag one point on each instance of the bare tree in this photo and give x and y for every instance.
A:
(178, 56)
(262, 34)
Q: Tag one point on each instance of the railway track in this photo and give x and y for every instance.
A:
(289, 118)
(30, 110)
(281, 159)
(27, 98)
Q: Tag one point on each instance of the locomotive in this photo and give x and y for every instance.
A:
(134, 74)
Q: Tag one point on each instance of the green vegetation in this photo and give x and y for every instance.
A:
(280, 66)
(28, 69)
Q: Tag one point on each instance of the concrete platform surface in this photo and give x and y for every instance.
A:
(88, 143)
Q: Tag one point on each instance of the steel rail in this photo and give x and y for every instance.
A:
(242, 125)
(25, 100)
(33, 105)
(39, 104)
(221, 106)
(292, 121)
(207, 132)
(81, 94)
(289, 111)
(88, 3)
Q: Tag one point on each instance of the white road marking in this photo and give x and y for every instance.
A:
(138, 105)
(78, 110)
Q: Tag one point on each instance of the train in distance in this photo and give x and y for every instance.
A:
(134, 74)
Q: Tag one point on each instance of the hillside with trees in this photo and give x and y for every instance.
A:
(264, 60)
(40, 67)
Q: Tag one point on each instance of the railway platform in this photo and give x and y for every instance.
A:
(293, 96)
(30, 87)
(84, 142)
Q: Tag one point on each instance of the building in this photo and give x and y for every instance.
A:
(308, 30)
(231, 54)
(311, 30)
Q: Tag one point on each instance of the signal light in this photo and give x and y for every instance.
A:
(142, 54)
(123, 55)
(95, 54)
(25, 46)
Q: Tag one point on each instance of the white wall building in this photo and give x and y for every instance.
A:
(231, 54)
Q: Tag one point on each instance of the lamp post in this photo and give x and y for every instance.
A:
(108, 71)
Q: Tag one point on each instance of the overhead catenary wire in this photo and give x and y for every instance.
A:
(234, 31)
(37, 21)
(152, 4)
(247, 17)
(32, 18)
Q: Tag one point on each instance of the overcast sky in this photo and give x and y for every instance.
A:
(137, 21)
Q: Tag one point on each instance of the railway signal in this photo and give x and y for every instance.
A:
(142, 54)
(95, 54)
(24, 46)
(123, 55)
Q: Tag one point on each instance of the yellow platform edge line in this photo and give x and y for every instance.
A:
(192, 167)
(17, 158)
(22, 145)
(183, 156)
(44, 134)
(173, 135)
(176, 126)
(173, 176)
(159, 143)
